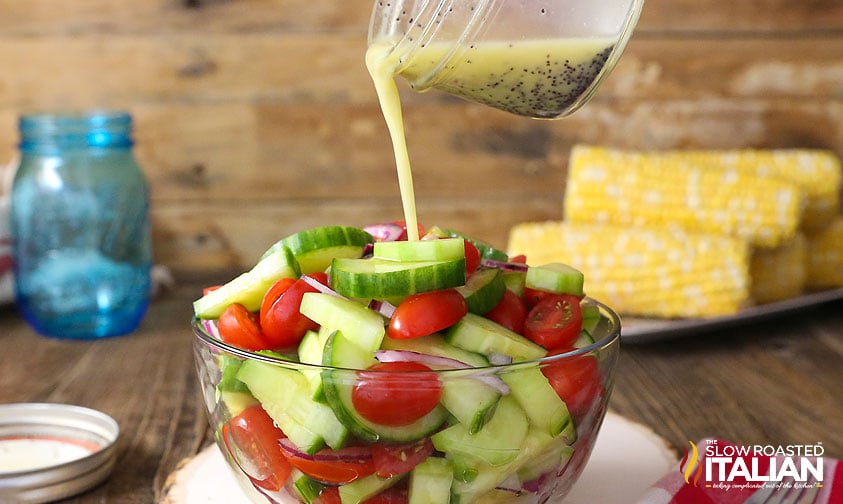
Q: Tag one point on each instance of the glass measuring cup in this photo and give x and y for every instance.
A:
(535, 58)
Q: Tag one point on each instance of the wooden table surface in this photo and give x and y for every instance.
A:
(775, 382)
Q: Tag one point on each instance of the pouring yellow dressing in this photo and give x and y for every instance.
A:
(533, 78)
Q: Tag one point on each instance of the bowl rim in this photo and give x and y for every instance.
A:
(612, 338)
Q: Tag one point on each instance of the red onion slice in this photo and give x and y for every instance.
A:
(385, 308)
(503, 265)
(433, 361)
(210, 327)
(384, 232)
(319, 286)
(437, 362)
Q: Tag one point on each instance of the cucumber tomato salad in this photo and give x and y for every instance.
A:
(413, 376)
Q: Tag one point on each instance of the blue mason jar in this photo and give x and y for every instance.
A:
(80, 226)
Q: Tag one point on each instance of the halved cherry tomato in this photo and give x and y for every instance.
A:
(395, 495)
(282, 322)
(240, 327)
(427, 312)
(396, 393)
(329, 495)
(403, 236)
(392, 460)
(472, 259)
(252, 440)
(520, 259)
(510, 312)
(335, 467)
(533, 296)
(576, 380)
(555, 321)
(205, 291)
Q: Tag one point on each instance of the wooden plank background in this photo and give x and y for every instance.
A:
(257, 117)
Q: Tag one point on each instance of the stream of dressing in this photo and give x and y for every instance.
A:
(534, 78)
(382, 63)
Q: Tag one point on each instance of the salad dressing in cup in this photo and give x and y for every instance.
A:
(535, 58)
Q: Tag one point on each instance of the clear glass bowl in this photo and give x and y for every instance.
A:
(523, 462)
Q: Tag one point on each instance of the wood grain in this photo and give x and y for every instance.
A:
(262, 109)
(244, 16)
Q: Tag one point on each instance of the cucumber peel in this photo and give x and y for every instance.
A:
(315, 248)
(484, 290)
(248, 288)
(555, 277)
(383, 278)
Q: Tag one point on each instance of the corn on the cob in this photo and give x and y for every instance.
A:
(628, 188)
(778, 273)
(645, 271)
(825, 256)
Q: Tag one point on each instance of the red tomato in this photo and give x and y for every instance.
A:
(399, 397)
(252, 439)
(335, 467)
(472, 259)
(392, 460)
(510, 312)
(576, 380)
(274, 292)
(281, 319)
(533, 296)
(329, 495)
(206, 290)
(520, 258)
(427, 312)
(555, 321)
(240, 327)
(394, 495)
(403, 236)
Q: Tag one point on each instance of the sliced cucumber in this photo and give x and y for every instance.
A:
(470, 401)
(483, 290)
(306, 488)
(310, 352)
(285, 394)
(555, 277)
(228, 381)
(383, 278)
(315, 248)
(248, 288)
(480, 479)
(590, 316)
(486, 251)
(552, 459)
(443, 249)
(236, 402)
(364, 488)
(338, 386)
(496, 444)
(514, 281)
(359, 324)
(481, 335)
(583, 340)
(430, 481)
(544, 409)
